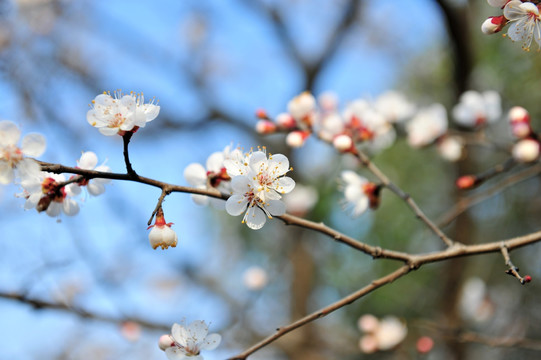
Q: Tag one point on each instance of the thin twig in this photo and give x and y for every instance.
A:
(126, 140)
(403, 270)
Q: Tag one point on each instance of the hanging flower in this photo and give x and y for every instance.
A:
(12, 157)
(257, 185)
(187, 341)
(161, 234)
(120, 113)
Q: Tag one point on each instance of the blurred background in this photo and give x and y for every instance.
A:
(91, 287)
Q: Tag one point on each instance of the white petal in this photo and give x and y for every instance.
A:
(107, 131)
(198, 330)
(278, 164)
(215, 162)
(360, 206)
(513, 11)
(211, 342)
(33, 145)
(284, 185)
(70, 207)
(236, 205)
(276, 207)
(200, 199)
(6, 173)
(175, 353)
(240, 184)
(95, 188)
(88, 160)
(255, 218)
(54, 208)
(257, 159)
(28, 169)
(195, 174)
(179, 334)
(350, 177)
(9, 133)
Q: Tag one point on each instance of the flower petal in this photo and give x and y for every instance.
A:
(33, 144)
(9, 133)
(276, 207)
(195, 174)
(255, 218)
(211, 342)
(88, 160)
(236, 205)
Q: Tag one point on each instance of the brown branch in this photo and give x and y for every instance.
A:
(42, 304)
(365, 160)
(512, 269)
(403, 270)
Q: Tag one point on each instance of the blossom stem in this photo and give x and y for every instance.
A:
(126, 139)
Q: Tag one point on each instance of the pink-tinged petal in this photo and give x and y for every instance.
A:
(278, 164)
(211, 342)
(284, 185)
(236, 205)
(215, 162)
(107, 131)
(6, 173)
(195, 174)
(255, 218)
(9, 133)
(276, 207)
(88, 160)
(33, 145)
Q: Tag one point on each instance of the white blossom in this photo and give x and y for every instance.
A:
(257, 185)
(89, 161)
(13, 159)
(451, 148)
(526, 150)
(43, 193)
(525, 22)
(476, 108)
(189, 340)
(120, 113)
(429, 124)
(394, 106)
(380, 335)
(302, 106)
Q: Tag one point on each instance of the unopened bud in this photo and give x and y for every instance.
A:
(526, 150)
(518, 114)
(466, 181)
(521, 130)
(265, 127)
(165, 342)
(343, 143)
(297, 138)
(493, 24)
(261, 114)
(527, 278)
(425, 344)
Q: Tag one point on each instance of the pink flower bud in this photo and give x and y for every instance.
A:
(493, 24)
(526, 150)
(425, 344)
(165, 342)
(518, 114)
(261, 114)
(265, 127)
(466, 182)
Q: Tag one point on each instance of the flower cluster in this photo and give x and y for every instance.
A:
(119, 113)
(53, 193)
(380, 335)
(524, 20)
(187, 341)
(372, 124)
